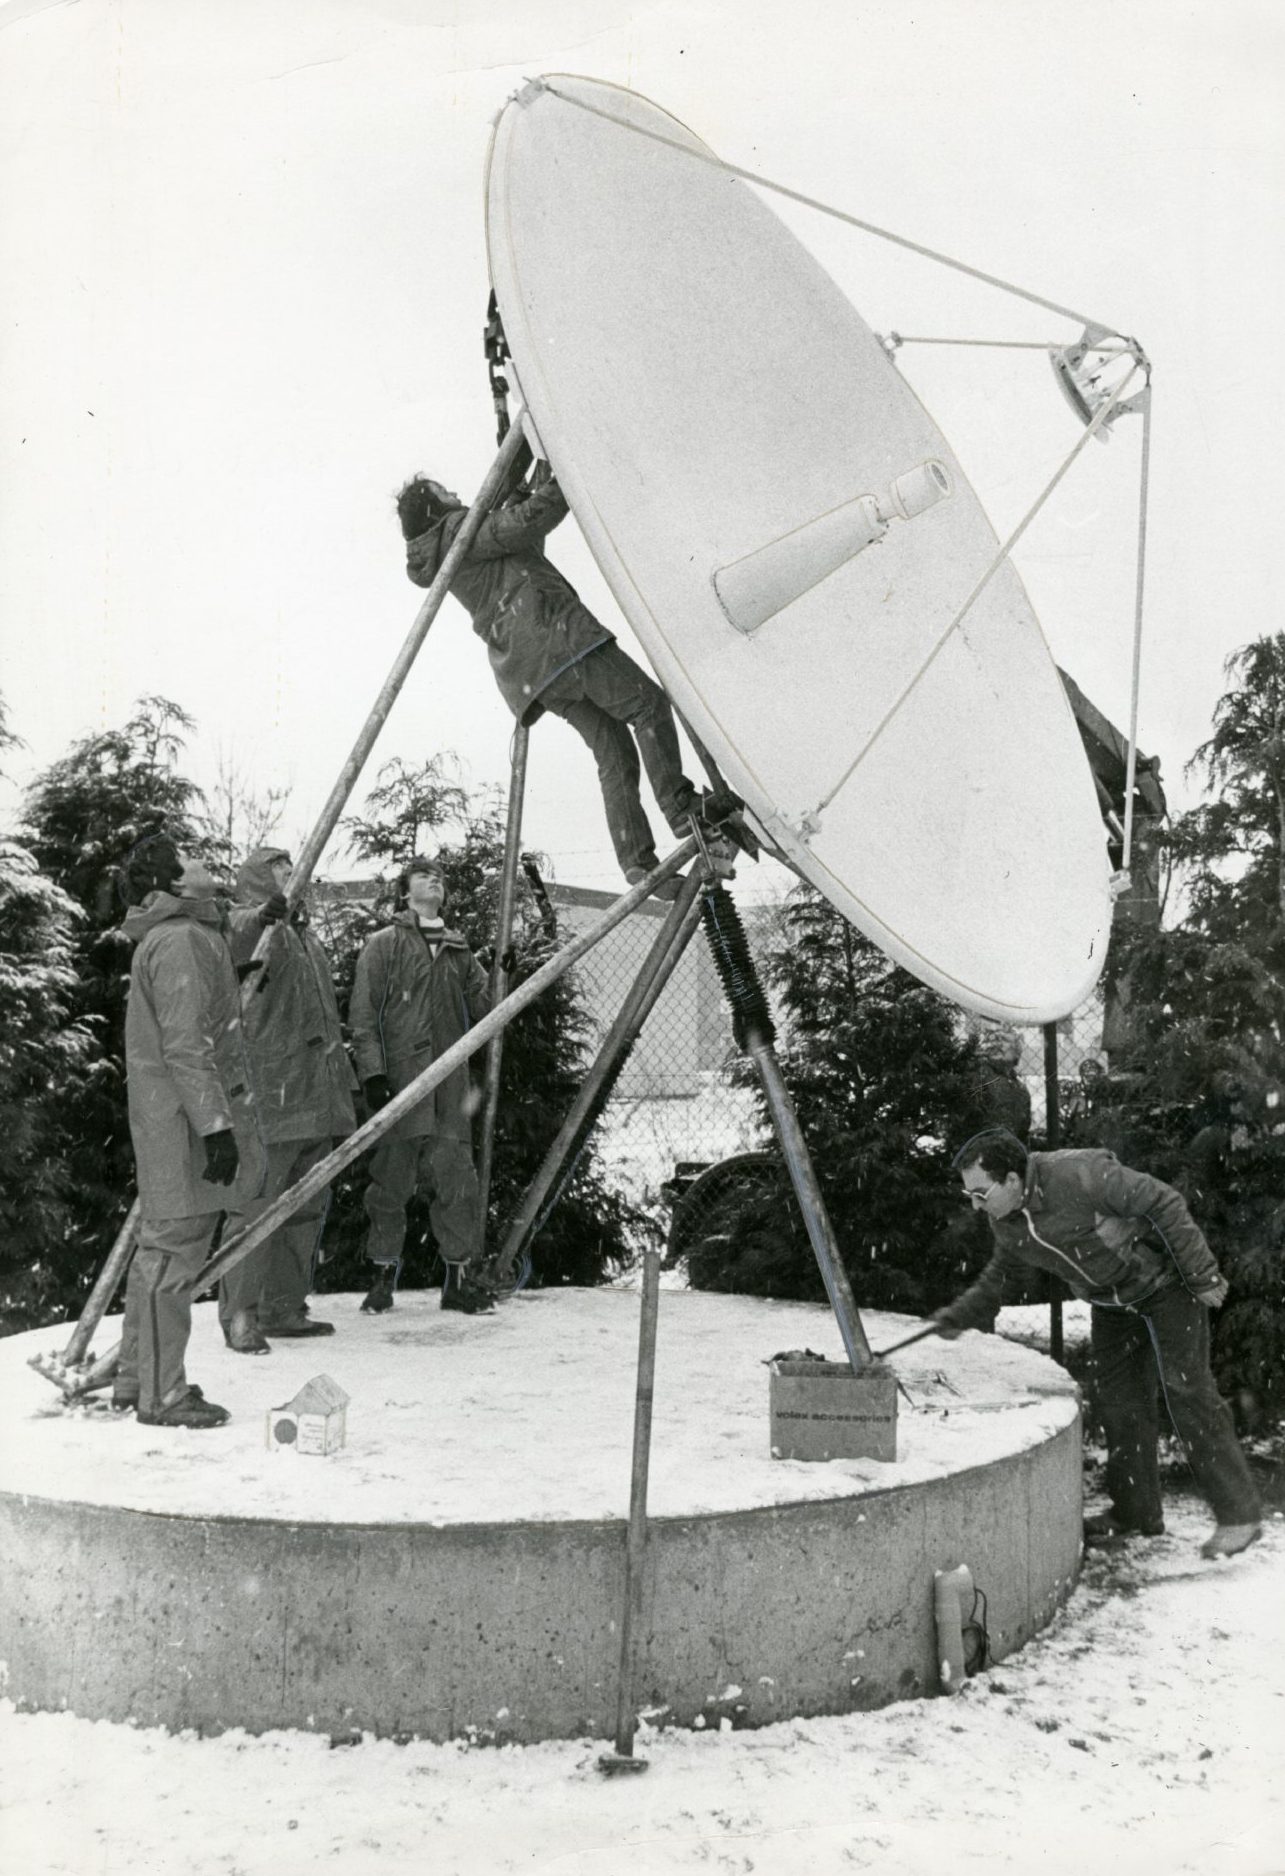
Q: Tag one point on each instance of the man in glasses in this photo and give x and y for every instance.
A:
(1125, 1243)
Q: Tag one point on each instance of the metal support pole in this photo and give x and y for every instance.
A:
(100, 1297)
(636, 1540)
(239, 1246)
(657, 968)
(1053, 1139)
(499, 971)
(803, 1177)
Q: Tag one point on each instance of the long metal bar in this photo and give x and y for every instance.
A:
(807, 1190)
(99, 1300)
(433, 599)
(655, 972)
(240, 1245)
(499, 971)
(1131, 765)
(636, 1541)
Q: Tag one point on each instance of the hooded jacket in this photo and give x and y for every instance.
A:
(299, 1069)
(530, 617)
(409, 1006)
(184, 1058)
(1116, 1236)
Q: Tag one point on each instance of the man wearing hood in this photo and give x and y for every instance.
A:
(191, 1118)
(418, 990)
(548, 652)
(303, 1086)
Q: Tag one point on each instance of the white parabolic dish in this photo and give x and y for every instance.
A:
(702, 388)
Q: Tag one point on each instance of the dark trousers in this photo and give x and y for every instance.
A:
(158, 1308)
(604, 698)
(1153, 1356)
(275, 1279)
(442, 1169)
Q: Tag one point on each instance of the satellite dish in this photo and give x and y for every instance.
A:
(790, 536)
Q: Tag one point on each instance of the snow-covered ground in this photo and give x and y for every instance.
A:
(1141, 1735)
(523, 1414)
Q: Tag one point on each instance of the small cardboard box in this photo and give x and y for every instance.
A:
(315, 1421)
(822, 1410)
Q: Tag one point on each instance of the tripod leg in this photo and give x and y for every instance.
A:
(755, 1032)
(560, 1160)
(499, 974)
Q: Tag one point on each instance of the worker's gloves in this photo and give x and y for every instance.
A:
(221, 1157)
(274, 911)
(949, 1331)
(1214, 1295)
(378, 1092)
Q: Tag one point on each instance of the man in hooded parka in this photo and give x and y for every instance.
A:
(548, 652)
(418, 989)
(303, 1087)
(191, 1118)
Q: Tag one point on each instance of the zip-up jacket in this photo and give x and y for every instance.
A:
(299, 1068)
(1116, 1236)
(185, 1063)
(408, 1007)
(531, 618)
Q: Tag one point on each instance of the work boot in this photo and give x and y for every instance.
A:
(295, 1326)
(379, 1296)
(461, 1291)
(1104, 1527)
(244, 1336)
(126, 1403)
(1228, 1539)
(191, 1409)
(667, 889)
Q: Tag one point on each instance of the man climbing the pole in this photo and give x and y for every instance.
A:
(548, 652)
(419, 989)
(1127, 1244)
(191, 1119)
(303, 1085)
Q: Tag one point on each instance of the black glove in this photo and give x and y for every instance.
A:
(274, 910)
(378, 1092)
(947, 1330)
(221, 1157)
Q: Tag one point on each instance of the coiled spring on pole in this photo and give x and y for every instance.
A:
(736, 968)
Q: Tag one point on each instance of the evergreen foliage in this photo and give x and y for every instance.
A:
(45, 1052)
(886, 1083)
(80, 819)
(1201, 1099)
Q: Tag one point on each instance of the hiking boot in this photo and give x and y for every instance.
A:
(191, 1409)
(462, 1292)
(379, 1296)
(127, 1403)
(244, 1336)
(667, 889)
(1228, 1539)
(1104, 1527)
(293, 1327)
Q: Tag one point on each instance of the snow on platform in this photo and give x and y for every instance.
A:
(526, 1414)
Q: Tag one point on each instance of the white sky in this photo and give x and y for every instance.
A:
(242, 279)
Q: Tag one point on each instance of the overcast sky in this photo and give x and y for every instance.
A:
(242, 278)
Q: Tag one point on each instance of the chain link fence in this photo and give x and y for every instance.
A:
(683, 1134)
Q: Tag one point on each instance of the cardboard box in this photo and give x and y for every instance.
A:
(822, 1410)
(315, 1421)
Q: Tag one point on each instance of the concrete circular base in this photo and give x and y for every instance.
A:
(771, 1589)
